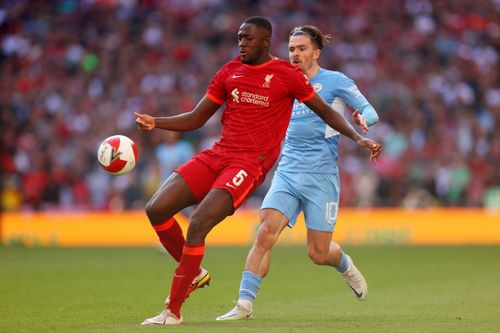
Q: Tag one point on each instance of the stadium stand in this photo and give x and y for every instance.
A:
(73, 72)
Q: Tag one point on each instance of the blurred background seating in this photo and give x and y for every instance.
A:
(73, 72)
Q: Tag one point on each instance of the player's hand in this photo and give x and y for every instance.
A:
(144, 122)
(374, 147)
(360, 121)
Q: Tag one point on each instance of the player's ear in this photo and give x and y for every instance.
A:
(316, 54)
(267, 40)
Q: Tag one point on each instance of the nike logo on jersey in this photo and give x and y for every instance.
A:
(230, 185)
(237, 76)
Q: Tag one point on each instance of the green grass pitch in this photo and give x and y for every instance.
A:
(411, 289)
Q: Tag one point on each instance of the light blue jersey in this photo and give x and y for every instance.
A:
(307, 176)
(310, 144)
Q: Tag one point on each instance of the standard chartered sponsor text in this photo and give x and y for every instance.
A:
(254, 98)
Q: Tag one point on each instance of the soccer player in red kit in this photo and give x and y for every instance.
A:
(258, 90)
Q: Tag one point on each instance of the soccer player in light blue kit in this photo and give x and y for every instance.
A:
(307, 177)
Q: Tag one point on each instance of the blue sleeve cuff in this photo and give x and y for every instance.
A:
(369, 113)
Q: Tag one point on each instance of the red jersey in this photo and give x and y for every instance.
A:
(259, 102)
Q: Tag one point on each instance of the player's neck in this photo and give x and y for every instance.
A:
(311, 72)
(262, 60)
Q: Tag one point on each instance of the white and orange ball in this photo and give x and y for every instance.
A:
(117, 154)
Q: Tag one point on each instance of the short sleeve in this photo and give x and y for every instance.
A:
(216, 90)
(299, 85)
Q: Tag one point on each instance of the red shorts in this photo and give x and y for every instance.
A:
(209, 170)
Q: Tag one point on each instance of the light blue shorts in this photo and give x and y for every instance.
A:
(316, 194)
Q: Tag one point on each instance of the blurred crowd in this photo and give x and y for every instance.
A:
(73, 73)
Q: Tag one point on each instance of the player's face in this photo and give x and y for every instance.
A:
(253, 44)
(302, 52)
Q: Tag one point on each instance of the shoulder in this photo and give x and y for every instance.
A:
(286, 70)
(232, 64)
(235, 62)
(227, 68)
(280, 62)
(285, 66)
(334, 75)
(338, 79)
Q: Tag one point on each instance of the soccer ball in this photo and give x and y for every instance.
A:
(117, 155)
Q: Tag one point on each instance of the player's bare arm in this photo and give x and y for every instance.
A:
(339, 123)
(181, 123)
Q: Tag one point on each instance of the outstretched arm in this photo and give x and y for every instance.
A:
(182, 122)
(338, 122)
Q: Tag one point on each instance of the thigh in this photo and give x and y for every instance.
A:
(320, 197)
(199, 174)
(172, 196)
(283, 197)
(239, 181)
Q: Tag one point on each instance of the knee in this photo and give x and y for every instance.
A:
(265, 237)
(155, 213)
(151, 208)
(317, 257)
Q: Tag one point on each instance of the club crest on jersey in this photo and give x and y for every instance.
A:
(236, 95)
(267, 80)
(317, 87)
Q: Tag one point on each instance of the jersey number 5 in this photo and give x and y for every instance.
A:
(238, 179)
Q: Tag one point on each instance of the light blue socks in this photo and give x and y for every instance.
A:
(249, 286)
(344, 263)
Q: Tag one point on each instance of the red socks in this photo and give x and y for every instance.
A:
(171, 237)
(187, 269)
(189, 258)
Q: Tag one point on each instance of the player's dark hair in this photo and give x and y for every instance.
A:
(260, 22)
(317, 37)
